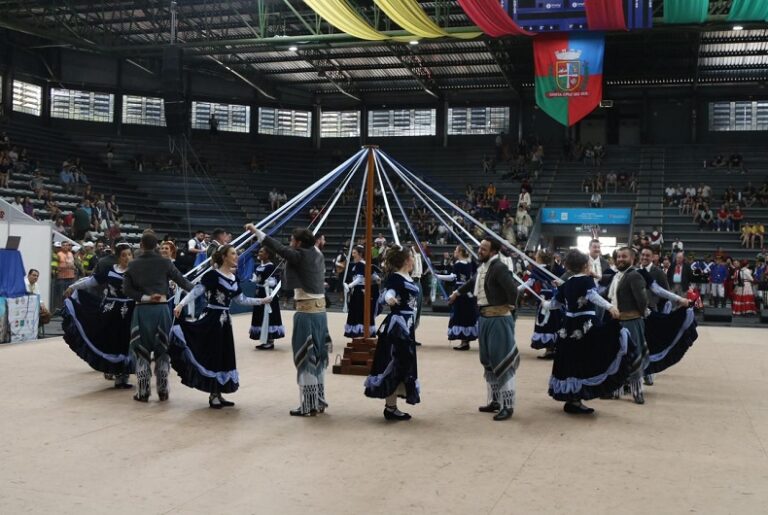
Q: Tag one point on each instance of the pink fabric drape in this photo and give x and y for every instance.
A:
(605, 14)
(492, 19)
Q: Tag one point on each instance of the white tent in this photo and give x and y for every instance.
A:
(35, 243)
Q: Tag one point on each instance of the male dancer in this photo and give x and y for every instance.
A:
(496, 294)
(305, 274)
(146, 282)
(718, 274)
(627, 293)
(655, 302)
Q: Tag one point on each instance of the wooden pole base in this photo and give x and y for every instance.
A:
(358, 357)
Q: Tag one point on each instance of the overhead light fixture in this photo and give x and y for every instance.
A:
(413, 42)
(293, 48)
(738, 27)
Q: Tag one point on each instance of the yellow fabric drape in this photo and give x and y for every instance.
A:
(411, 17)
(344, 17)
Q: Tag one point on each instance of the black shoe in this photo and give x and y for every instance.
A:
(393, 415)
(418, 344)
(141, 398)
(298, 412)
(225, 403)
(463, 346)
(123, 386)
(214, 405)
(648, 380)
(504, 414)
(265, 346)
(492, 407)
(549, 355)
(109, 377)
(639, 398)
(163, 396)
(577, 409)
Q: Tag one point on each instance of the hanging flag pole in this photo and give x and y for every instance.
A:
(367, 322)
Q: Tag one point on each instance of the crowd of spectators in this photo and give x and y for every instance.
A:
(514, 160)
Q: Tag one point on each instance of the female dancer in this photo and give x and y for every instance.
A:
(743, 294)
(203, 351)
(354, 326)
(265, 277)
(100, 332)
(592, 360)
(394, 372)
(548, 322)
(463, 322)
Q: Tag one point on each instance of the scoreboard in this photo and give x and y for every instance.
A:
(570, 15)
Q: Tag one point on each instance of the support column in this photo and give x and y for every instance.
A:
(45, 104)
(442, 123)
(119, 91)
(315, 129)
(363, 125)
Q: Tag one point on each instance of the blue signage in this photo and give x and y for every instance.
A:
(579, 216)
(570, 15)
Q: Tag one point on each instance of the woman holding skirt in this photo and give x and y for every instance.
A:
(394, 372)
(100, 332)
(743, 294)
(591, 360)
(548, 322)
(354, 326)
(203, 351)
(265, 277)
(462, 325)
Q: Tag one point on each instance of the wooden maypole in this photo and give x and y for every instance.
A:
(358, 354)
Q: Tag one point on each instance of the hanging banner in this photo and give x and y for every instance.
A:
(569, 75)
(492, 18)
(605, 14)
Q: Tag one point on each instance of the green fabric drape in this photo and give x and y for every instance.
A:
(686, 11)
(748, 10)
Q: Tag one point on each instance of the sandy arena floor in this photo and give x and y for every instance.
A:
(71, 444)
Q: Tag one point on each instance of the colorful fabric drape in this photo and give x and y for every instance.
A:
(345, 18)
(686, 11)
(492, 18)
(569, 74)
(748, 10)
(411, 17)
(605, 14)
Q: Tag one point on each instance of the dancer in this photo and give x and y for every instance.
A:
(627, 293)
(496, 295)
(592, 359)
(203, 352)
(463, 322)
(743, 294)
(304, 273)
(354, 326)
(668, 333)
(548, 322)
(146, 282)
(394, 371)
(266, 278)
(100, 333)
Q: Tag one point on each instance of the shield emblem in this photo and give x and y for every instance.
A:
(568, 76)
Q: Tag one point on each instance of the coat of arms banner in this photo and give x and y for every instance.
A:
(569, 74)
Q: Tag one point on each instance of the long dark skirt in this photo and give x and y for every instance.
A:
(203, 353)
(463, 322)
(592, 366)
(669, 336)
(394, 367)
(545, 328)
(276, 329)
(99, 332)
(354, 326)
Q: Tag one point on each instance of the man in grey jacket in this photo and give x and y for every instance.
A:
(146, 282)
(496, 294)
(627, 293)
(305, 274)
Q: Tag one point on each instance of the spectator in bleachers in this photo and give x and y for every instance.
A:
(110, 155)
(488, 165)
(82, 221)
(723, 222)
(524, 199)
(28, 207)
(37, 184)
(758, 234)
(670, 197)
(596, 200)
(736, 162)
(746, 235)
(52, 206)
(6, 166)
(113, 209)
(67, 179)
(656, 240)
(719, 162)
(737, 216)
(677, 245)
(762, 194)
(749, 195)
(706, 218)
(523, 222)
(18, 203)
